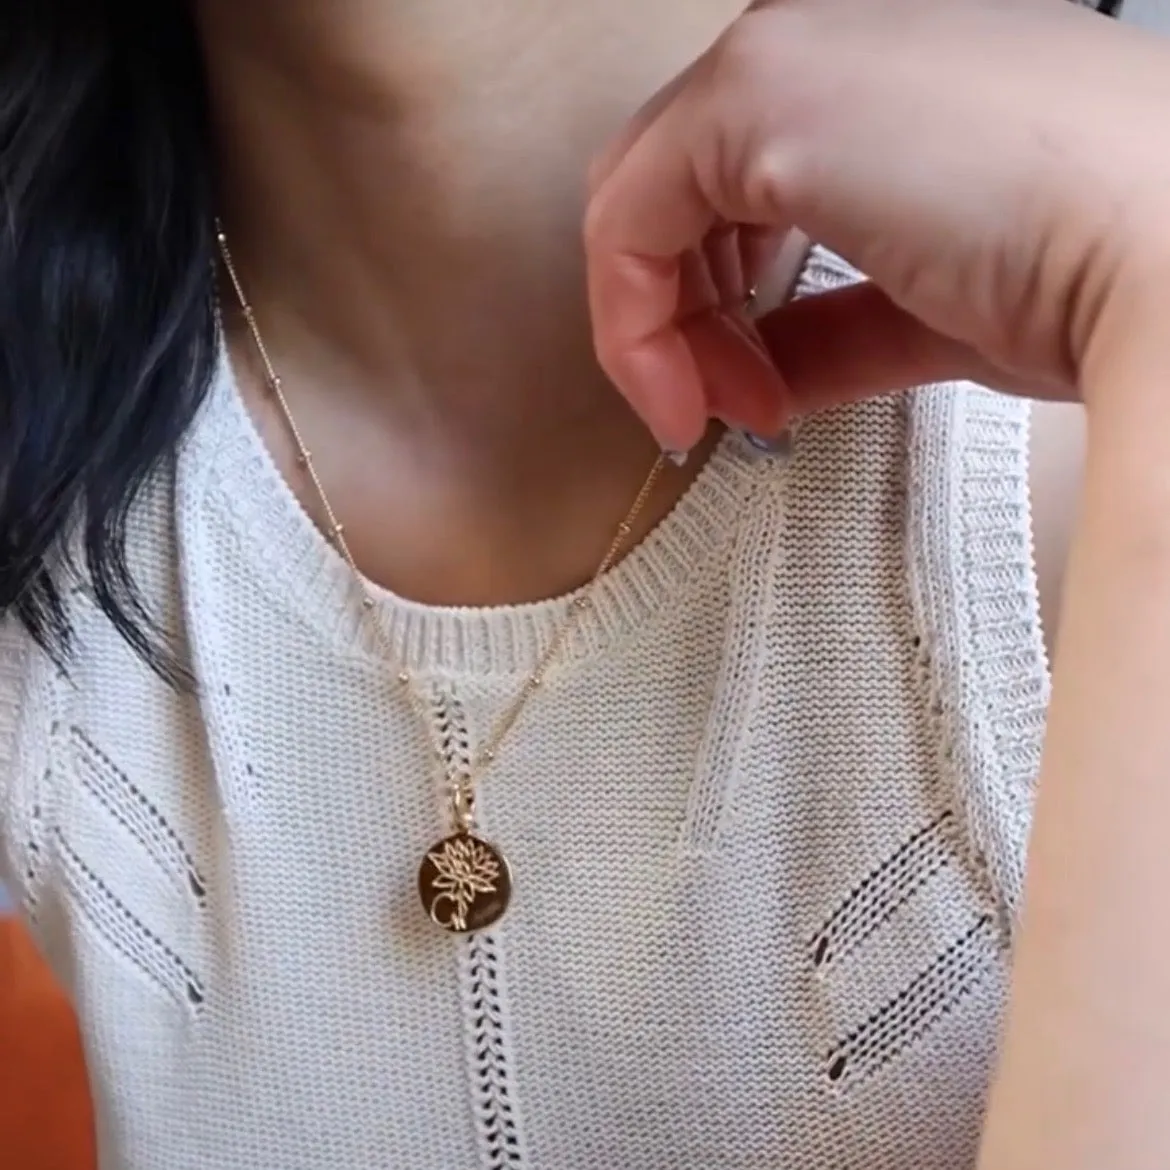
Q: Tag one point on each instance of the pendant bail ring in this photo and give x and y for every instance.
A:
(463, 808)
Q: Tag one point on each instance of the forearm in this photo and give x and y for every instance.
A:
(1085, 1077)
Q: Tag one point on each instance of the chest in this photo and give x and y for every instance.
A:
(745, 928)
(762, 828)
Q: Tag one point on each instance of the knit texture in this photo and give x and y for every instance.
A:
(767, 823)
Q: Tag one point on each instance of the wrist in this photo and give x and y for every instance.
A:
(1125, 384)
(1125, 362)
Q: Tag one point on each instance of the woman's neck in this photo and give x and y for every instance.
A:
(402, 187)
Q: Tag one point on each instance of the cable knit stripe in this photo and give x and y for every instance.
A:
(974, 585)
(490, 1060)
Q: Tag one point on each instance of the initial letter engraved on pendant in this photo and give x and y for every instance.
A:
(464, 883)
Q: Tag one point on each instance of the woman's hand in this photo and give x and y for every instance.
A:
(1000, 170)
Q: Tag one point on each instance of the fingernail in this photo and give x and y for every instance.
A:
(780, 444)
(678, 458)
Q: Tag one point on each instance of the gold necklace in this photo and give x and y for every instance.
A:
(464, 882)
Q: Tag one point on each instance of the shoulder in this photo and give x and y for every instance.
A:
(1051, 442)
(44, 695)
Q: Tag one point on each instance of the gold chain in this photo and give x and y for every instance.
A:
(461, 789)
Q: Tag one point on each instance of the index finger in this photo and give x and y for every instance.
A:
(649, 214)
(640, 222)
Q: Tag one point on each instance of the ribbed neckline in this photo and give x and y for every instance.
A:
(232, 472)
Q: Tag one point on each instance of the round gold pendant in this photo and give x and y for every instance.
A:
(465, 884)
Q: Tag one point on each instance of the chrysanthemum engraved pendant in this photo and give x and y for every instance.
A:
(465, 884)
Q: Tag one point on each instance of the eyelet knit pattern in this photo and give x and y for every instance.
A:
(767, 821)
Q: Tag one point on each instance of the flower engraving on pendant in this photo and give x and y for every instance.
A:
(464, 884)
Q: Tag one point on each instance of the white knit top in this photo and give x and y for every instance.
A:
(767, 824)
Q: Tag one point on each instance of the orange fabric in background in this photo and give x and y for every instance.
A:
(46, 1122)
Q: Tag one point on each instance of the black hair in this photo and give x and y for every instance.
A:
(107, 324)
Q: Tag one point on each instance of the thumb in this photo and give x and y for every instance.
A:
(856, 343)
